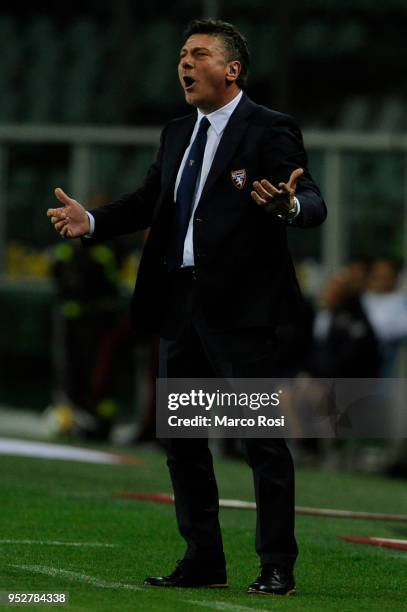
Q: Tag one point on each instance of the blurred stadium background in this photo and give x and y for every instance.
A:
(84, 93)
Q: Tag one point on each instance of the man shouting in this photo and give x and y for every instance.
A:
(214, 277)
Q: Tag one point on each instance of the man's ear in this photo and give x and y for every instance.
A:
(233, 71)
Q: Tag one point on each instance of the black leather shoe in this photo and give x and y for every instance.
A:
(273, 581)
(190, 574)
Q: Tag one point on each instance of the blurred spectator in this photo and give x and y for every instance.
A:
(386, 308)
(93, 340)
(86, 283)
(345, 345)
(295, 340)
(358, 270)
(119, 341)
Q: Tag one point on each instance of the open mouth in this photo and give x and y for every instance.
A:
(189, 82)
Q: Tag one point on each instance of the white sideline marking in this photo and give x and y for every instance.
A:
(218, 605)
(392, 540)
(58, 543)
(77, 577)
(17, 422)
(46, 450)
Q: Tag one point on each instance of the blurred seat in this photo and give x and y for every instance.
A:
(349, 36)
(391, 114)
(134, 168)
(159, 68)
(40, 83)
(311, 37)
(263, 48)
(10, 65)
(355, 114)
(82, 58)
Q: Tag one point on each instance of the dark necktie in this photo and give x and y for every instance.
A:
(185, 195)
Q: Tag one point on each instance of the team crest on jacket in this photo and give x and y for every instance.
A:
(239, 178)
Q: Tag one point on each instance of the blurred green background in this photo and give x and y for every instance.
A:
(85, 91)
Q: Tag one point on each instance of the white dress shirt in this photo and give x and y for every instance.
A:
(387, 313)
(218, 121)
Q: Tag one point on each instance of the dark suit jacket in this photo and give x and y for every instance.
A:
(244, 270)
(350, 348)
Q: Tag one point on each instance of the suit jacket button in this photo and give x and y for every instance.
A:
(198, 220)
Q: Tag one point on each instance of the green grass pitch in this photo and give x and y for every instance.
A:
(46, 501)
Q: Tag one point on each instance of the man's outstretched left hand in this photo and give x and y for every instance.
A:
(281, 200)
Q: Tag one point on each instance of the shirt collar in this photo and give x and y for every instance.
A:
(219, 118)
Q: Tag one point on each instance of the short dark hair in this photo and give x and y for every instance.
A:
(234, 42)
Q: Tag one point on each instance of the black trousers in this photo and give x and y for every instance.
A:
(191, 349)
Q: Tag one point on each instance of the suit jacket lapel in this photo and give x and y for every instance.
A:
(177, 143)
(229, 141)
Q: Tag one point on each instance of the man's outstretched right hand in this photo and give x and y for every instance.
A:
(70, 220)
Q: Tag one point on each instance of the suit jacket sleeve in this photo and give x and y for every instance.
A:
(284, 152)
(132, 211)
